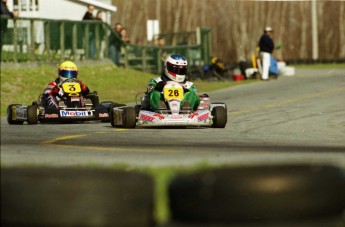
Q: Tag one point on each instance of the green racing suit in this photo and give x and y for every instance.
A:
(155, 94)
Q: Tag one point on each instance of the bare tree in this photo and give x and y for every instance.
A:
(237, 25)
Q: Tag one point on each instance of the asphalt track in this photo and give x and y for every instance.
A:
(297, 119)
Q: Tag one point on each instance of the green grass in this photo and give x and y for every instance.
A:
(23, 86)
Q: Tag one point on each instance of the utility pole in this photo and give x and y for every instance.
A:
(315, 40)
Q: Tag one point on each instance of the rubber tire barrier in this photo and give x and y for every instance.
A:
(258, 194)
(75, 197)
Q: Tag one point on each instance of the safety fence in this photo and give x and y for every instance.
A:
(44, 40)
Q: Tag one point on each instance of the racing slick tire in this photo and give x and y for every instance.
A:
(219, 117)
(9, 116)
(32, 115)
(129, 117)
(260, 194)
(106, 104)
(47, 196)
(111, 114)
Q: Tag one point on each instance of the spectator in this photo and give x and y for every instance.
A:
(89, 13)
(125, 39)
(266, 46)
(115, 44)
(92, 43)
(99, 15)
(102, 32)
(124, 36)
(4, 11)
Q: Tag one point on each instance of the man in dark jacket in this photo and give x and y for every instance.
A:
(5, 12)
(266, 46)
(92, 42)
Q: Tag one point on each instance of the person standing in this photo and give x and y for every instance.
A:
(266, 46)
(115, 44)
(4, 11)
(89, 13)
(92, 43)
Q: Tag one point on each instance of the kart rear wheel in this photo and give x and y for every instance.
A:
(9, 116)
(129, 117)
(111, 114)
(32, 115)
(219, 117)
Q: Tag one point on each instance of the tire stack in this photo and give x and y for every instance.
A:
(288, 195)
(284, 196)
(75, 197)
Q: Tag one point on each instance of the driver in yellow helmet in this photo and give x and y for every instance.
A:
(53, 92)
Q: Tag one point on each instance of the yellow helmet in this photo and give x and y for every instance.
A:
(67, 70)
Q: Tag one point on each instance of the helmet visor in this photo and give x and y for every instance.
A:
(177, 69)
(69, 74)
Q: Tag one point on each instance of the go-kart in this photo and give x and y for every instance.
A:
(207, 114)
(73, 106)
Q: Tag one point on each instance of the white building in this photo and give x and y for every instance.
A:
(50, 9)
(60, 9)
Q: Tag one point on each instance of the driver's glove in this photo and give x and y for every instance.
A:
(60, 94)
(55, 90)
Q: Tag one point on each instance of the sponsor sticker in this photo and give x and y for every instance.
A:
(67, 113)
(192, 115)
(103, 115)
(203, 117)
(51, 115)
(146, 118)
(160, 117)
(75, 99)
(176, 116)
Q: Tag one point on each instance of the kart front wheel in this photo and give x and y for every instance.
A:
(220, 117)
(129, 117)
(32, 115)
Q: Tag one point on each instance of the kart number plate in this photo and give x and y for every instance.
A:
(173, 93)
(71, 88)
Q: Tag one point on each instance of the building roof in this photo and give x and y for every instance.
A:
(97, 4)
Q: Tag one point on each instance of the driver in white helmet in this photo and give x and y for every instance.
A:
(67, 70)
(175, 69)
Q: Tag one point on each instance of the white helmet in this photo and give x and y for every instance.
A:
(175, 67)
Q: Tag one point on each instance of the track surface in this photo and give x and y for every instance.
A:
(298, 119)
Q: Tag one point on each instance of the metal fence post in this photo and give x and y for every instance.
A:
(47, 39)
(74, 40)
(15, 42)
(62, 39)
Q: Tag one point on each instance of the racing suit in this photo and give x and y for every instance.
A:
(53, 92)
(155, 87)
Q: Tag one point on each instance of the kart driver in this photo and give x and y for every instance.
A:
(53, 92)
(175, 69)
